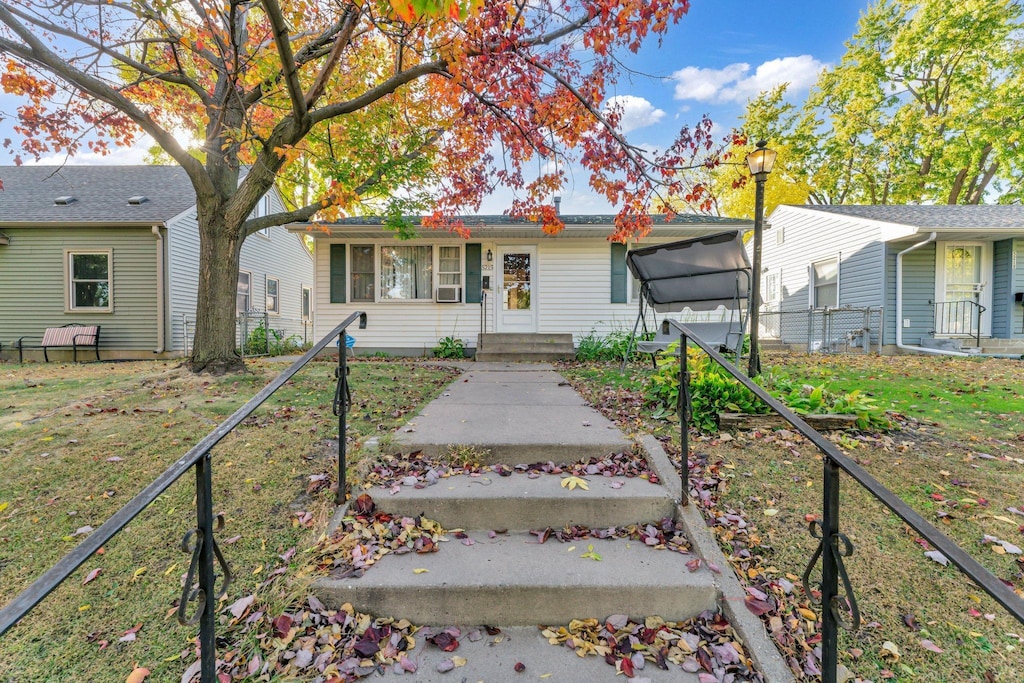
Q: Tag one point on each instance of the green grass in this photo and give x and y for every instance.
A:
(970, 409)
(60, 427)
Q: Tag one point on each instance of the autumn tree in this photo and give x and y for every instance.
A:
(397, 106)
(925, 106)
(731, 184)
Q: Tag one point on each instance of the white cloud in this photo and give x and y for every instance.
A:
(735, 83)
(636, 112)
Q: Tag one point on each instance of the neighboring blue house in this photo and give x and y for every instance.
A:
(118, 246)
(946, 277)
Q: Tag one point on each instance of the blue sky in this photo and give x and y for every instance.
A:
(721, 54)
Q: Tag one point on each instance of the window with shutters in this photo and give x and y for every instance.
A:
(362, 272)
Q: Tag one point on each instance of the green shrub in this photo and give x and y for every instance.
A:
(449, 347)
(713, 390)
(272, 342)
(592, 347)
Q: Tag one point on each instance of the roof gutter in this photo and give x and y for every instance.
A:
(899, 306)
(161, 290)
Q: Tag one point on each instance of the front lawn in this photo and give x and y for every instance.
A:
(957, 458)
(78, 441)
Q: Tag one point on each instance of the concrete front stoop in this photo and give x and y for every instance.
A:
(503, 577)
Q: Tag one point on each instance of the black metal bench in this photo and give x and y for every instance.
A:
(73, 335)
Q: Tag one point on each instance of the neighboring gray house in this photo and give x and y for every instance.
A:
(507, 278)
(118, 246)
(946, 277)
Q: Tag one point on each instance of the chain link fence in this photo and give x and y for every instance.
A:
(825, 330)
(257, 333)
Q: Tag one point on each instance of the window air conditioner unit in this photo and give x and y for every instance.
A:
(449, 295)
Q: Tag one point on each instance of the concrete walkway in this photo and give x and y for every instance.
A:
(524, 413)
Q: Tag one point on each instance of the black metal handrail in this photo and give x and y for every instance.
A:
(199, 541)
(959, 318)
(839, 609)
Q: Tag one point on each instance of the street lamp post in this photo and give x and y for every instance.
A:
(760, 162)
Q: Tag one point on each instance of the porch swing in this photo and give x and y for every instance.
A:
(701, 274)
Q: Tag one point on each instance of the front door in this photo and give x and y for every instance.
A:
(517, 300)
(962, 284)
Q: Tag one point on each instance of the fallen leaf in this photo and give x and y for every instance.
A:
(937, 556)
(137, 675)
(420, 571)
(929, 645)
(92, 575)
(573, 481)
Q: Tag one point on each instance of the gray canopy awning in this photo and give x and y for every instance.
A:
(700, 274)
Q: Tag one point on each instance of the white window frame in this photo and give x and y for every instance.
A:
(70, 280)
(276, 308)
(372, 246)
(772, 286)
(435, 269)
(813, 284)
(261, 209)
(306, 302)
(459, 260)
(248, 295)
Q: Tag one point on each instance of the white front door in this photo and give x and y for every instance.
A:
(517, 292)
(962, 278)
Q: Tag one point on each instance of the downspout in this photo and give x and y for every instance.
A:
(899, 306)
(160, 289)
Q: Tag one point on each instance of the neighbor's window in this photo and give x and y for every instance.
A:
(362, 272)
(273, 300)
(449, 266)
(406, 273)
(307, 303)
(89, 281)
(244, 292)
(772, 287)
(261, 209)
(825, 284)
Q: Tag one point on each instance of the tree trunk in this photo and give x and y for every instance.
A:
(214, 350)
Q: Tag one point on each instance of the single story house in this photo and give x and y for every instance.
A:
(507, 277)
(946, 278)
(118, 247)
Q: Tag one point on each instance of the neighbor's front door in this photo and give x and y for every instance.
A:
(517, 295)
(963, 280)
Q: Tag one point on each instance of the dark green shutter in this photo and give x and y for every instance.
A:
(338, 274)
(473, 273)
(618, 273)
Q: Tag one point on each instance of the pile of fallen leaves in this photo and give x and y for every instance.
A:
(392, 472)
(666, 534)
(367, 534)
(705, 645)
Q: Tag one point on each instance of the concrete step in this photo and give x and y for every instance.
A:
(501, 346)
(512, 580)
(492, 659)
(517, 502)
(523, 357)
(490, 338)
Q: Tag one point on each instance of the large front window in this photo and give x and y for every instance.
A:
(89, 282)
(406, 273)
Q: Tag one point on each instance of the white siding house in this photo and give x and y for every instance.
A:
(508, 276)
(944, 276)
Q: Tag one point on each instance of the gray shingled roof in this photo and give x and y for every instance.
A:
(936, 216)
(101, 194)
(568, 219)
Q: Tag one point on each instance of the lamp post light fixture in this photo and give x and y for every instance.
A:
(760, 163)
